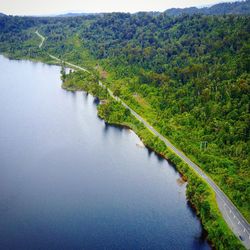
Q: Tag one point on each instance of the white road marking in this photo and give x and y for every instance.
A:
(220, 194)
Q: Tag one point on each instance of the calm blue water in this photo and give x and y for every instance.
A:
(68, 181)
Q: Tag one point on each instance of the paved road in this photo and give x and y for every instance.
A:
(231, 214)
(68, 63)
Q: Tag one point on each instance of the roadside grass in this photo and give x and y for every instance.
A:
(200, 195)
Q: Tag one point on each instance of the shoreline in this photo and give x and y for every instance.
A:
(194, 182)
(181, 167)
(178, 166)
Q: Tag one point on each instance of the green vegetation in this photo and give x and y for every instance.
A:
(188, 76)
(83, 81)
(217, 9)
(198, 192)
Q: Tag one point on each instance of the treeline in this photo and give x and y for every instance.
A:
(198, 192)
(84, 81)
(239, 7)
(187, 75)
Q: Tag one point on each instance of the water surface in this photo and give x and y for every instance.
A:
(68, 181)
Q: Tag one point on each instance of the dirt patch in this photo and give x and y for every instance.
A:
(181, 181)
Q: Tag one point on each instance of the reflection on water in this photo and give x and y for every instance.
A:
(70, 181)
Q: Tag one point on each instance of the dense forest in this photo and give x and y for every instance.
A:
(191, 76)
(188, 75)
(217, 9)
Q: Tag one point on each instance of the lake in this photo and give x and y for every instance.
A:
(69, 181)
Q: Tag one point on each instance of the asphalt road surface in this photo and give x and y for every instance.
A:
(231, 214)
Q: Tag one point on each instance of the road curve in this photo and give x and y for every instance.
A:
(231, 214)
(42, 37)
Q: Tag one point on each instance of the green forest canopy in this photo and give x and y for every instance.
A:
(188, 75)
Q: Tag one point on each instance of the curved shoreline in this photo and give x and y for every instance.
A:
(232, 216)
(183, 168)
(185, 171)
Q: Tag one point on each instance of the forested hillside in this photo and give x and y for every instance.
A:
(191, 76)
(187, 75)
(242, 7)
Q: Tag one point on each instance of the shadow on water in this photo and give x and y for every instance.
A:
(202, 238)
(85, 95)
(118, 129)
(103, 201)
(150, 151)
(96, 101)
(73, 93)
(160, 158)
(107, 127)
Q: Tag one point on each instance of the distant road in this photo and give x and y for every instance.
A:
(67, 63)
(231, 214)
(42, 37)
